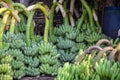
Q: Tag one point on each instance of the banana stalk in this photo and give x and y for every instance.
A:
(5, 17)
(52, 17)
(72, 22)
(96, 18)
(13, 23)
(65, 18)
(22, 7)
(29, 23)
(84, 3)
(32, 31)
(80, 21)
(45, 12)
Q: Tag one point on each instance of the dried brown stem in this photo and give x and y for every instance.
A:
(72, 6)
(80, 58)
(97, 58)
(112, 55)
(76, 13)
(102, 41)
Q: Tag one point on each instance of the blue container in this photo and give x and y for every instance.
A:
(111, 23)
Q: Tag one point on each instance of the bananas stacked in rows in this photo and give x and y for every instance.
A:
(5, 66)
(31, 60)
(48, 59)
(75, 72)
(18, 66)
(69, 40)
(103, 70)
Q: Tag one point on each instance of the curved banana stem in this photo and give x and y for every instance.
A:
(29, 23)
(5, 17)
(45, 12)
(102, 41)
(38, 6)
(13, 23)
(60, 2)
(63, 12)
(80, 21)
(97, 58)
(3, 9)
(9, 3)
(112, 55)
(52, 17)
(22, 7)
(3, 4)
(84, 3)
(80, 58)
(114, 52)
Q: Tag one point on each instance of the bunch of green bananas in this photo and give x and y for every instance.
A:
(81, 46)
(80, 37)
(66, 57)
(18, 66)
(31, 71)
(32, 50)
(49, 70)
(16, 54)
(18, 74)
(21, 27)
(75, 72)
(13, 39)
(5, 77)
(31, 61)
(115, 42)
(71, 35)
(64, 29)
(65, 43)
(105, 70)
(5, 66)
(48, 59)
(93, 37)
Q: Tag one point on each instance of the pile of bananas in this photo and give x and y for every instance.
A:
(48, 59)
(76, 72)
(31, 60)
(18, 66)
(5, 66)
(103, 70)
(70, 39)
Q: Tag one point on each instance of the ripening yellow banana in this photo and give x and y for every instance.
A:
(4, 21)
(3, 9)
(13, 23)
(8, 23)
